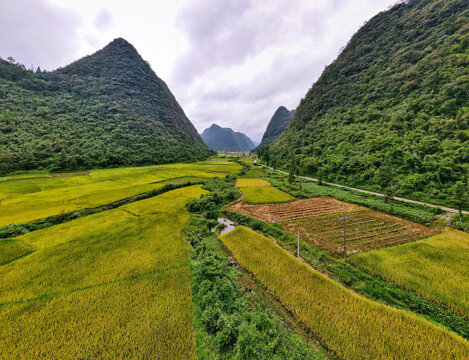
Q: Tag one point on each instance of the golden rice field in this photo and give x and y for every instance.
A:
(33, 196)
(242, 183)
(352, 326)
(436, 268)
(12, 249)
(148, 318)
(109, 285)
(257, 191)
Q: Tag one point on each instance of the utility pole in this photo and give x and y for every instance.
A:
(298, 247)
(77, 193)
(344, 219)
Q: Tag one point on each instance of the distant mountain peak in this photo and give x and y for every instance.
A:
(277, 124)
(225, 139)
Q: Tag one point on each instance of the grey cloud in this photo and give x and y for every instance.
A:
(223, 35)
(103, 20)
(36, 32)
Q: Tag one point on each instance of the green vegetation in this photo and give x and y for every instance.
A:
(277, 124)
(358, 280)
(351, 326)
(104, 110)
(232, 322)
(112, 284)
(25, 200)
(256, 172)
(257, 191)
(436, 267)
(397, 95)
(225, 139)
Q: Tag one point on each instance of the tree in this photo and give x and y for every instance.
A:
(320, 175)
(460, 197)
(384, 178)
(293, 169)
(264, 153)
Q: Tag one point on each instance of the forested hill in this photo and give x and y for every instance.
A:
(395, 99)
(106, 109)
(277, 124)
(225, 139)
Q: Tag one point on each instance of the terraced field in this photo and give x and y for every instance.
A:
(29, 197)
(352, 326)
(111, 285)
(365, 230)
(299, 209)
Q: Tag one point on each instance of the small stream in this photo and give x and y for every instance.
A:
(228, 225)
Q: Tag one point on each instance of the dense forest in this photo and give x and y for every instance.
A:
(393, 109)
(106, 109)
(225, 139)
(277, 124)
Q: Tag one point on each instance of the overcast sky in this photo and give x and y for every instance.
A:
(230, 62)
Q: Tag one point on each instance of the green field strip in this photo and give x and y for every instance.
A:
(14, 230)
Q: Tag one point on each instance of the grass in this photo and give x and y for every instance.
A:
(259, 195)
(109, 285)
(351, 326)
(362, 282)
(24, 199)
(258, 191)
(256, 172)
(437, 267)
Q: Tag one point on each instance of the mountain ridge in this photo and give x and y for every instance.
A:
(226, 139)
(277, 125)
(395, 100)
(105, 109)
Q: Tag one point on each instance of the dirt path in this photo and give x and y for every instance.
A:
(445, 208)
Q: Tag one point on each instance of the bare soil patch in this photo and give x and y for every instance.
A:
(294, 210)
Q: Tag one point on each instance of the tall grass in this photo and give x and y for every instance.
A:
(351, 326)
(436, 268)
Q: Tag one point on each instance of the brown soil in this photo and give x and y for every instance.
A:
(295, 210)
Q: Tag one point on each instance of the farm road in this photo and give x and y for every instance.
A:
(445, 208)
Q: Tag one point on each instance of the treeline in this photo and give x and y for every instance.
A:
(396, 97)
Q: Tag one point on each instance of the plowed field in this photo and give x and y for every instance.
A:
(365, 230)
(295, 210)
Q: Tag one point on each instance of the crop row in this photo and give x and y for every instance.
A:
(436, 268)
(351, 326)
(365, 230)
